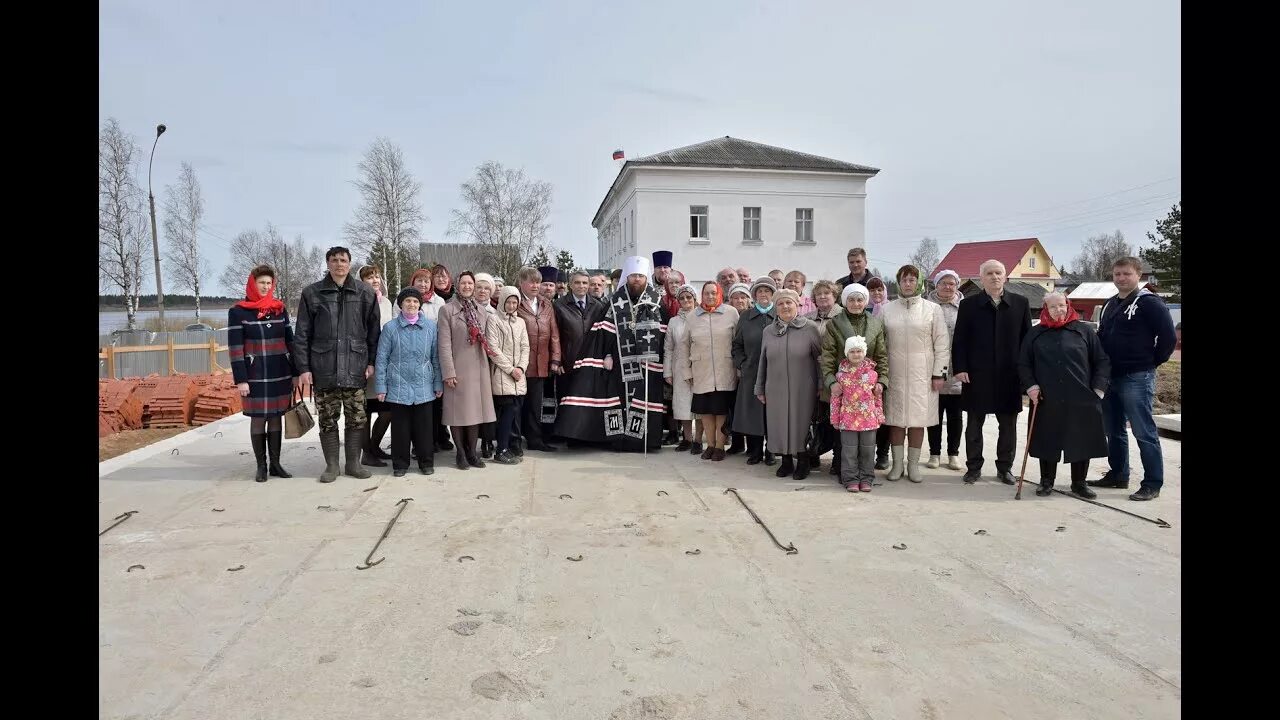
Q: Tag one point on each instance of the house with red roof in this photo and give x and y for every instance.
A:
(1025, 260)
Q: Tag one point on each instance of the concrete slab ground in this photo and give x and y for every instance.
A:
(1024, 621)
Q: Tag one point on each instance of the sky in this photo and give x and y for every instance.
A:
(989, 119)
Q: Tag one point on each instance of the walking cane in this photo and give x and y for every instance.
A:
(1027, 451)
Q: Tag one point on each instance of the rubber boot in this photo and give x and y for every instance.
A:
(273, 450)
(329, 445)
(913, 465)
(260, 455)
(895, 472)
(354, 443)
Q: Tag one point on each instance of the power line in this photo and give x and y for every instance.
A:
(1033, 212)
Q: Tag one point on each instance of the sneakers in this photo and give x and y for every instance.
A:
(953, 463)
(934, 462)
(1110, 481)
(1145, 493)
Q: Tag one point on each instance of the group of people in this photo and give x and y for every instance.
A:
(642, 359)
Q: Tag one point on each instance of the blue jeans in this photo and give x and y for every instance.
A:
(1130, 398)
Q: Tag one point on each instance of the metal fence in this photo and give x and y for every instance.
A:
(141, 353)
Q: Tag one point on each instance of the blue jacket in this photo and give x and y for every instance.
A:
(408, 362)
(1136, 332)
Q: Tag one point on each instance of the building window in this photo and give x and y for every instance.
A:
(698, 222)
(1032, 263)
(751, 224)
(804, 225)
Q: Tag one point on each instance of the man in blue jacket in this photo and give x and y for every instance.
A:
(1137, 334)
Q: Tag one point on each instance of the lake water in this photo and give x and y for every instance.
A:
(119, 319)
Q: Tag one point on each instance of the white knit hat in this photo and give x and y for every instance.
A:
(855, 342)
(852, 288)
(944, 273)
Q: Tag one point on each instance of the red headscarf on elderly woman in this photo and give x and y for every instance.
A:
(671, 300)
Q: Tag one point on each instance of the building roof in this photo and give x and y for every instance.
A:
(1033, 292)
(731, 152)
(967, 258)
(455, 256)
(1096, 291)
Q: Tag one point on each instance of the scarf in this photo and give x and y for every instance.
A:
(471, 313)
(719, 300)
(264, 304)
(1049, 322)
(431, 289)
(411, 319)
(447, 293)
(780, 327)
(763, 309)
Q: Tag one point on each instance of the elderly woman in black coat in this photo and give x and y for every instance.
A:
(1065, 372)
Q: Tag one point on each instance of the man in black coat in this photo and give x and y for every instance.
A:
(990, 327)
(334, 348)
(576, 311)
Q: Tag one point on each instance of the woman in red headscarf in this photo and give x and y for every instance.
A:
(259, 336)
(1065, 372)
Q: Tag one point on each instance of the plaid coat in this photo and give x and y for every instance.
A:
(261, 355)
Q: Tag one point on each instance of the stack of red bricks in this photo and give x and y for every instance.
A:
(119, 406)
(147, 386)
(172, 402)
(218, 398)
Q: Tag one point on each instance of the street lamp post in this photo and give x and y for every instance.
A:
(155, 239)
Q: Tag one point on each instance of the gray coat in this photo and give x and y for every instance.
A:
(949, 312)
(471, 402)
(748, 412)
(788, 379)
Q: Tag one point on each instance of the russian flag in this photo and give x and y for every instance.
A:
(617, 154)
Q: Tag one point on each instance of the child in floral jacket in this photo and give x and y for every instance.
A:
(856, 411)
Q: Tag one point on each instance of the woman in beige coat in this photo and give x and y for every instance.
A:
(919, 352)
(464, 363)
(676, 368)
(509, 339)
(709, 358)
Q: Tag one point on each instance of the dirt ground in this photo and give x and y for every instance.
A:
(1169, 388)
(122, 442)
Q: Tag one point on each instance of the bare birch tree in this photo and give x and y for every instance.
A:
(122, 223)
(506, 214)
(183, 211)
(926, 256)
(1097, 254)
(389, 218)
(297, 264)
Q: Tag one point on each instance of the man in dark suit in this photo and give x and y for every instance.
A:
(990, 327)
(575, 313)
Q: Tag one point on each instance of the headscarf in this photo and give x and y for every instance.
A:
(431, 288)
(873, 307)
(264, 304)
(672, 303)
(471, 314)
(852, 288)
(447, 293)
(718, 302)
(1047, 321)
(687, 288)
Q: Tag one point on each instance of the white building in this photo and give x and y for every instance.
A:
(735, 202)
